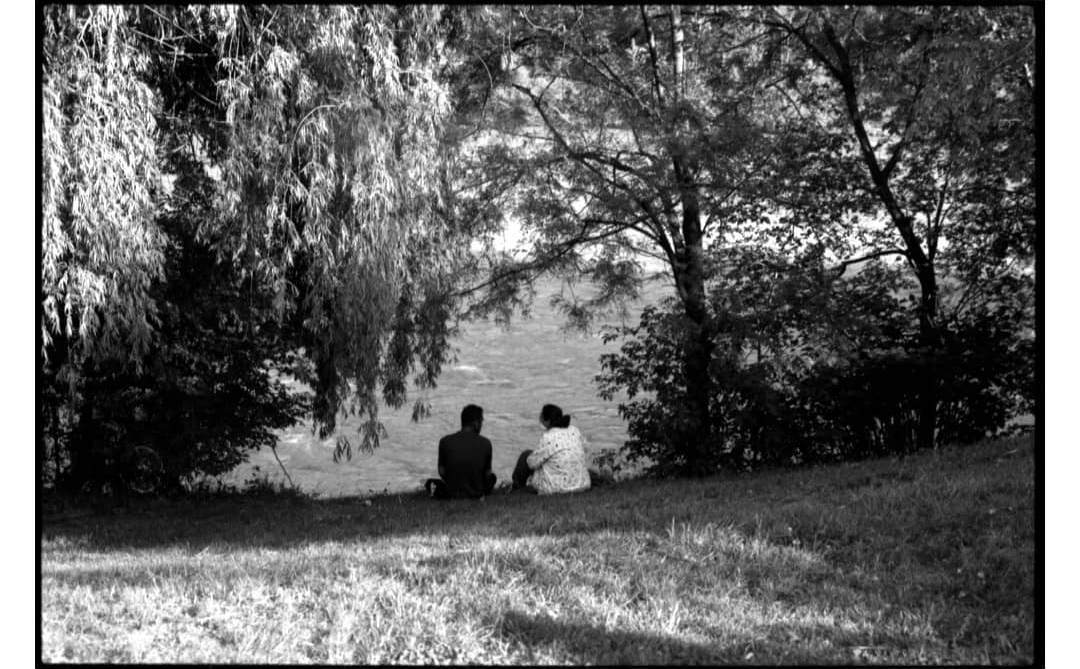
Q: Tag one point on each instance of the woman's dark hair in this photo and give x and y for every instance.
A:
(553, 416)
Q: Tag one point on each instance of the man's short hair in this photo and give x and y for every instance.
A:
(470, 414)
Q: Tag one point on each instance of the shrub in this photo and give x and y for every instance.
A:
(805, 371)
(205, 395)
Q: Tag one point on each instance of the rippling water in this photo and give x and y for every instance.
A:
(511, 373)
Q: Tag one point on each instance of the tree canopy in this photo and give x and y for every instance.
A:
(334, 179)
(696, 135)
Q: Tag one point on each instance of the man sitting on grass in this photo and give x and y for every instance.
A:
(464, 461)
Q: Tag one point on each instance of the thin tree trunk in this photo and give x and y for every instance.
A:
(677, 57)
(56, 430)
(82, 451)
(930, 340)
(929, 333)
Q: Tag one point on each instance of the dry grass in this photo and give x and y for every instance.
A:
(929, 559)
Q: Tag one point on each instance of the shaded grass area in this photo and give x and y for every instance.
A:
(927, 559)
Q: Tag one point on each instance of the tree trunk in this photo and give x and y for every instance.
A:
(697, 439)
(930, 341)
(690, 282)
(83, 466)
(54, 432)
(929, 337)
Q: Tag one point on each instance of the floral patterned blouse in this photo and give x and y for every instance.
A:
(559, 462)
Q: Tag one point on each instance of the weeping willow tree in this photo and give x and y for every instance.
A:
(301, 147)
(330, 191)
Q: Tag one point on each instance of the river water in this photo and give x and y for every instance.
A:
(510, 372)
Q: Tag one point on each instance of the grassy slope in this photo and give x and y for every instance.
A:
(930, 559)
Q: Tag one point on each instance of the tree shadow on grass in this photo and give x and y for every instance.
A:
(289, 522)
(639, 505)
(544, 638)
(540, 638)
(593, 644)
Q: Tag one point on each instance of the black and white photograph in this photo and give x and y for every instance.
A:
(541, 334)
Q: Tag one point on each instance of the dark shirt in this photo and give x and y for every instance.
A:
(465, 457)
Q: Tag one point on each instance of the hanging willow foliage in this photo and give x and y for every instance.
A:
(324, 141)
(100, 247)
(329, 188)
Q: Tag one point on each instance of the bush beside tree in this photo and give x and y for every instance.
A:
(811, 369)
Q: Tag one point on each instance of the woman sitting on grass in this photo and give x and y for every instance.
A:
(558, 463)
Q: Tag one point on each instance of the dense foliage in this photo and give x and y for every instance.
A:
(235, 197)
(622, 134)
(840, 134)
(936, 108)
(229, 194)
(810, 367)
